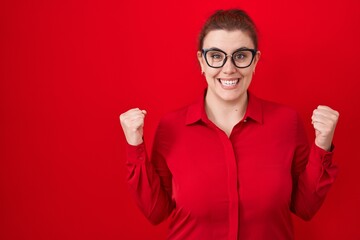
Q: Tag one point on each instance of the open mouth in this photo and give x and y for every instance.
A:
(228, 83)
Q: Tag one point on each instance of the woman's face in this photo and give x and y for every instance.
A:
(228, 83)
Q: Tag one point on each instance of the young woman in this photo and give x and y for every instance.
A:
(231, 165)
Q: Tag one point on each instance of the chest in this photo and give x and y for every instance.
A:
(204, 163)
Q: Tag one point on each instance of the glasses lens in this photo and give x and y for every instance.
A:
(243, 58)
(215, 58)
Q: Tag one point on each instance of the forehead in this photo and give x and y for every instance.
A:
(228, 40)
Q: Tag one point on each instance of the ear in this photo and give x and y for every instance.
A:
(201, 61)
(256, 58)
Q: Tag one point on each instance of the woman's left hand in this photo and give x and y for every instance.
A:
(324, 120)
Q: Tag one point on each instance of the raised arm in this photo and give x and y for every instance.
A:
(149, 180)
(313, 169)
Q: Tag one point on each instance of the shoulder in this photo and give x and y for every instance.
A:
(272, 106)
(272, 109)
(174, 118)
(281, 120)
(171, 125)
(186, 115)
(175, 115)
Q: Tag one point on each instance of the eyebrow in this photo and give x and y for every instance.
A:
(239, 49)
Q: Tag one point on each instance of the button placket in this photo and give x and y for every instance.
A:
(233, 185)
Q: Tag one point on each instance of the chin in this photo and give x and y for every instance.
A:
(231, 97)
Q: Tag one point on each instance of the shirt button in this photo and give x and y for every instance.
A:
(245, 120)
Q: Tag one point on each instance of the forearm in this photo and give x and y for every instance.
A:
(313, 183)
(145, 184)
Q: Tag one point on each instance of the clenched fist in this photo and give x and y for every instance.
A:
(324, 120)
(132, 123)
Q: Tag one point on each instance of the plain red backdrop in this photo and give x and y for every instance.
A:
(69, 68)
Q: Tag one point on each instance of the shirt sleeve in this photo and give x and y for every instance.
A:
(313, 174)
(150, 181)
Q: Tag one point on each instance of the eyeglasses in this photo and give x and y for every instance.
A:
(241, 58)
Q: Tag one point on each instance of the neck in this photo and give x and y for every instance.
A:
(225, 114)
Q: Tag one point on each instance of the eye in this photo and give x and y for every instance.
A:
(216, 56)
(240, 56)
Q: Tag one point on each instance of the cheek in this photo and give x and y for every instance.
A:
(211, 72)
(247, 72)
(210, 80)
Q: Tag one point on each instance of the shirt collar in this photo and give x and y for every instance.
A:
(196, 111)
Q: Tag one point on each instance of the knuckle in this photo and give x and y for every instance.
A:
(122, 117)
(333, 118)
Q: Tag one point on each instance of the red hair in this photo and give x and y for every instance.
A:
(230, 20)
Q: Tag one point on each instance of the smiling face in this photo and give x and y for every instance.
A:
(227, 83)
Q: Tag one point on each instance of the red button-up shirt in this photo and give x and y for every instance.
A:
(244, 186)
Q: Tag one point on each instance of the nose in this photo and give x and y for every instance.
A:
(229, 66)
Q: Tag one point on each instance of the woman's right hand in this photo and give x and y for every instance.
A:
(132, 123)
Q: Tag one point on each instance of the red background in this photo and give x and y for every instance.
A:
(69, 68)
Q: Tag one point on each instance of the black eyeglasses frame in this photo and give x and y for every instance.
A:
(204, 51)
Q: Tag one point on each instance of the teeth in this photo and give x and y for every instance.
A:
(229, 82)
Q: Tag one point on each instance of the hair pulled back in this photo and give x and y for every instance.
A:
(229, 20)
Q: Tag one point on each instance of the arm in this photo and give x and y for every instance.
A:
(313, 170)
(149, 180)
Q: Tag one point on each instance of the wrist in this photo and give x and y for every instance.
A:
(135, 141)
(324, 146)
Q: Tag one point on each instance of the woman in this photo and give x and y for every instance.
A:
(231, 165)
